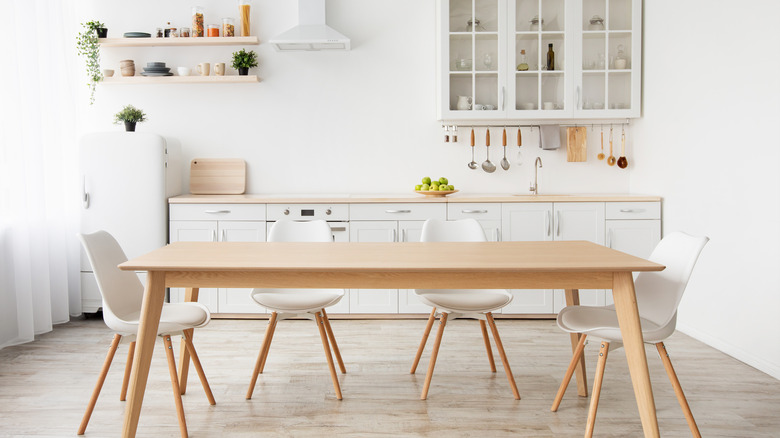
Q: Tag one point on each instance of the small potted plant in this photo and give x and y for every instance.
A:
(130, 115)
(87, 45)
(243, 61)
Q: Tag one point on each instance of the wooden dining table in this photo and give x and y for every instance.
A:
(569, 265)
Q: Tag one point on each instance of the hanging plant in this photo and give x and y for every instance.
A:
(88, 46)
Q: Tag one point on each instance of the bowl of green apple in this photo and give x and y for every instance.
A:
(440, 187)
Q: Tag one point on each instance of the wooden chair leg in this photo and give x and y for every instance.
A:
(128, 368)
(575, 359)
(333, 343)
(434, 354)
(594, 398)
(483, 326)
(502, 353)
(199, 368)
(331, 366)
(260, 364)
(99, 384)
(175, 384)
(678, 389)
(423, 341)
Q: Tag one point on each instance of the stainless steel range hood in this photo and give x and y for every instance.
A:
(311, 33)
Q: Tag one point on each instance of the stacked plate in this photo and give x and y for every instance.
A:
(156, 69)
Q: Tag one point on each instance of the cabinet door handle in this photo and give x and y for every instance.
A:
(496, 235)
(502, 98)
(217, 211)
(609, 238)
(85, 193)
(395, 236)
(404, 235)
(547, 222)
(398, 211)
(632, 210)
(558, 223)
(213, 235)
(224, 235)
(579, 107)
(473, 211)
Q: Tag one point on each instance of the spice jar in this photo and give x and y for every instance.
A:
(197, 21)
(228, 27)
(213, 30)
(185, 32)
(159, 32)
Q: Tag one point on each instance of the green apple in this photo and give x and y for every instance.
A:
(418, 187)
(426, 180)
(443, 180)
(425, 187)
(450, 187)
(435, 184)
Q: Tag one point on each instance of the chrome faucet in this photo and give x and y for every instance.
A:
(537, 165)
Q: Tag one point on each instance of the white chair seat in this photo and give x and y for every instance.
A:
(297, 300)
(465, 300)
(175, 318)
(602, 323)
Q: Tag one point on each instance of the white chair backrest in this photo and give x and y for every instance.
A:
(122, 291)
(659, 293)
(308, 231)
(464, 230)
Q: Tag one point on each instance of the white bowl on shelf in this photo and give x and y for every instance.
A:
(183, 71)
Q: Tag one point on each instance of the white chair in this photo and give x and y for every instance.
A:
(301, 303)
(122, 294)
(461, 303)
(658, 294)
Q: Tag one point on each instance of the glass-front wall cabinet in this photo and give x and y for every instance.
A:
(539, 59)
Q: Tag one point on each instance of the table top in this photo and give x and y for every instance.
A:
(461, 257)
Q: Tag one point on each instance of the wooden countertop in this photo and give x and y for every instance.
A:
(260, 198)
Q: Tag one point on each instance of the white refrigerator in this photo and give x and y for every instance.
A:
(127, 178)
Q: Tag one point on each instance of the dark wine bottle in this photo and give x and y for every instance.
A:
(550, 57)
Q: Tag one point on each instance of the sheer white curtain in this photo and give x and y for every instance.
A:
(39, 87)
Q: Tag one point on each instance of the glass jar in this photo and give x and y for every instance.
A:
(228, 27)
(596, 23)
(243, 8)
(197, 21)
(213, 30)
(185, 32)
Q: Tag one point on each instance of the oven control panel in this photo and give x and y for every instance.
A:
(298, 212)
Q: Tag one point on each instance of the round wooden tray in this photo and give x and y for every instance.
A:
(435, 192)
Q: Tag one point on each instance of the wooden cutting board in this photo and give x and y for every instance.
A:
(217, 176)
(576, 143)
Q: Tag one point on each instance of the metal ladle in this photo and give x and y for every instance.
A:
(504, 161)
(473, 164)
(487, 166)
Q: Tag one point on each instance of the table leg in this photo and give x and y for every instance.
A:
(154, 296)
(573, 299)
(190, 296)
(631, 329)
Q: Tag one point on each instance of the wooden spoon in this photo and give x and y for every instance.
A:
(611, 159)
(622, 162)
(600, 156)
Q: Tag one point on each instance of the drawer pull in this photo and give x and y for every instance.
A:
(217, 211)
(338, 228)
(398, 211)
(474, 211)
(632, 210)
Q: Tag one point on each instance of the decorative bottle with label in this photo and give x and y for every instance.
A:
(523, 64)
(550, 57)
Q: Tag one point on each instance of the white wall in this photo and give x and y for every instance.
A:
(362, 121)
(708, 144)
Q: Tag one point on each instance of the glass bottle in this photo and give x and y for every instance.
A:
(550, 57)
(244, 7)
(197, 21)
(523, 65)
(228, 27)
(620, 60)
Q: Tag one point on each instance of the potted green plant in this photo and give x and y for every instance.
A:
(243, 61)
(88, 46)
(130, 115)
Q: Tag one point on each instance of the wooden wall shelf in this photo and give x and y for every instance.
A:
(192, 41)
(227, 79)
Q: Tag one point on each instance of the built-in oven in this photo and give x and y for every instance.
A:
(337, 216)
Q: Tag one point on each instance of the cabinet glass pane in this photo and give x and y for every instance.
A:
(619, 15)
(552, 92)
(460, 14)
(527, 15)
(619, 90)
(487, 15)
(557, 41)
(619, 48)
(529, 43)
(486, 53)
(594, 15)
(486, 96)
(527, 89)
(461, 90)
(593, 90)
(594, 49)
(553, 16)
(460, 53)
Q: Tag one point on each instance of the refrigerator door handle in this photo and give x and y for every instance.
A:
(85, 194)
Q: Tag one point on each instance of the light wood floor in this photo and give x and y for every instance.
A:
(45, 385)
